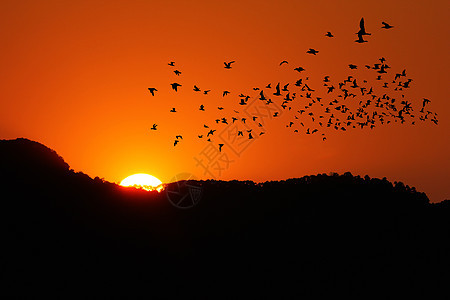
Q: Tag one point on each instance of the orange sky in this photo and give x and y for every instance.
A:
(74, 76)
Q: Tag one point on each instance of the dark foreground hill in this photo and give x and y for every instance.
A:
(65, 234)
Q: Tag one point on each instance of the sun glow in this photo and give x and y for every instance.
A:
(143, 181)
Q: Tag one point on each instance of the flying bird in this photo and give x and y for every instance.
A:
(225, 93)
(329, 34)
(228, 64)
(277, 93)
(175, 86)
(284, 62)
(386, 25)
(172, 64)
(152, 91)
(362, 28)
(196, 88)
(202, 107)
(220, 147)
(177, 72)
(312, 51)
(261, 95)
(173, 110)
(153, 127)
(299, 69)
(206, 92)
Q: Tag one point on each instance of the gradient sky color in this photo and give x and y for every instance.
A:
(74, 76)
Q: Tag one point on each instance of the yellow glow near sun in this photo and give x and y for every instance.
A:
(143, 181)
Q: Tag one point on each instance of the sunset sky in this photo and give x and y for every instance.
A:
(75, 75)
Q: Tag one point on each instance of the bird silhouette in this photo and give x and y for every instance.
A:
(228, 64)
(329, 34)
(175, 143)
(178, 137)
(206, 92)
(312, 51)
(225, 93)
(220, 147)
(171, 63)
(299, 69)
(284, 62)
(277, 93)
(173, 110)
(202, 107)
(386, 25)
(177, 72)
(261, 95)
(362, 29)
(196, 88)
(152, 91)
(154, 127)
(175, 86)
(352, 66)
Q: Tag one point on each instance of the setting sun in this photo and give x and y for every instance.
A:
(143, 181)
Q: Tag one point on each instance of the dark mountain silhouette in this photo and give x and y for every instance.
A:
(66, 234)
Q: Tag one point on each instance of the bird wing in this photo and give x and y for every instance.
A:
(361, 24)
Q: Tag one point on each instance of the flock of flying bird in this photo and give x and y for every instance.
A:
(368, 108)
